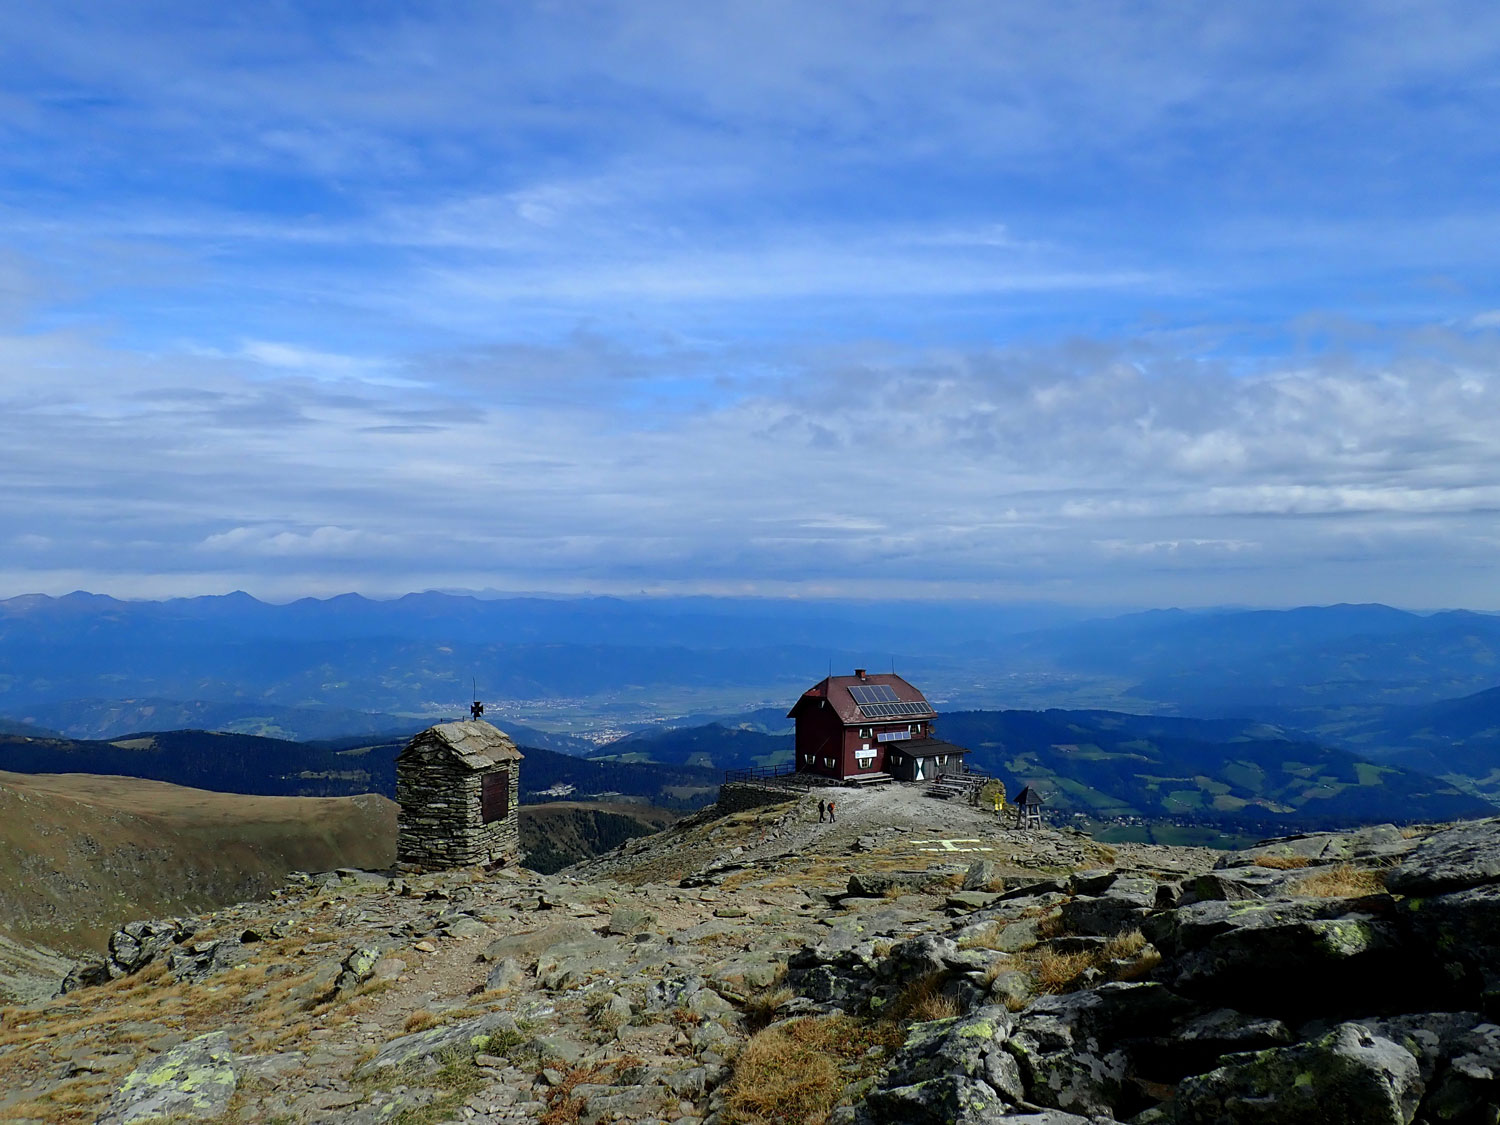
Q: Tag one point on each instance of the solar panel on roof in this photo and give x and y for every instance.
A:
(872, 693)
(894, 710)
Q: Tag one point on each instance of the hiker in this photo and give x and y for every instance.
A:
(822, 811)
(831, 818)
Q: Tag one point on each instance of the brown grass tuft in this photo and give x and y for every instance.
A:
(1283, 862)
(563, 1106)
(985, 938)
(923, 999)
(761, 1006)
(793, 1073)
(420, 1020)
(1343, 881)
(1125, 945)
(1058, 972)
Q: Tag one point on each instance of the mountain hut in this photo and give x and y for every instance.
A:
(868, 728)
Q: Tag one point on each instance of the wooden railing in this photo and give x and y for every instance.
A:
(785, 777)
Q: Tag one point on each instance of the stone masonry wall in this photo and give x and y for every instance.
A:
(440, 823)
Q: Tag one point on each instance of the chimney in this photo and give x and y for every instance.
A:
(859, 673)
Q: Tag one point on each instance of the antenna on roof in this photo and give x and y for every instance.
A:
(893, 665)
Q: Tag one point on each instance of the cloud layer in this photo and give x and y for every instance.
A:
(1096, 302)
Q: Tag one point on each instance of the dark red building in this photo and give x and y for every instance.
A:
(866, 726)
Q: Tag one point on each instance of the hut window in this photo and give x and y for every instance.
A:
(495, 797)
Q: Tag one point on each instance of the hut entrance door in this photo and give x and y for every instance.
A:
(495, 797)
(919, 775)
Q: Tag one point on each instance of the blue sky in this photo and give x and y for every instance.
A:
(1102, 303)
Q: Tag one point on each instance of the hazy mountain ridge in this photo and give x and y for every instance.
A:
(711, 746)
(644, 659)
(236, 763)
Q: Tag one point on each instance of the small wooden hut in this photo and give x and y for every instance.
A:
(458, 785)
(1028, 808)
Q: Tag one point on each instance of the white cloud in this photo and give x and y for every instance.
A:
(653, 294)
(320, 542)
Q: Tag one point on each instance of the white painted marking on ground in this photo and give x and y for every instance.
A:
(952, 845)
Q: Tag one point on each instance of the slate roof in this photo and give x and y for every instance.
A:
(835, 689)
(924, 747)
(475, 743)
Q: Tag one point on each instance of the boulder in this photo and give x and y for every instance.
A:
(1198, 1044)
(355, 969)
(1465, 855)
(197, 961)
(1468, 1089)
(194, 1081)
(495, 1033)
(983, 875)
(1011, 988)
(968, 901)
(505, 974)
(1118, 908)
(1461, 930)
(875, 884)
(1075, 1050)
(950, 1071)
(463, 926)
(737, 977)
(1038, 889)
(526, 947)
(1429, 1037)
(627, 920)
(1377, 842)
(131, 948)
(1350, 1076)
(1295, 959)
(1238, 884)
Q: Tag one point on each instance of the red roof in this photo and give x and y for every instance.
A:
(835, 689)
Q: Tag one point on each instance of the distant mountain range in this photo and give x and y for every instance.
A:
(1346, 711)
(1259, 662)
(351, 665)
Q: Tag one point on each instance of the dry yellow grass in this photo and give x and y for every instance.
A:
(1125, 957)
(923, 999)
(1124, 945)
(793, 1073)
(1058, 972)
(1343, 881)
(420, 1020)
(1283, 862)
(760, 1006)
(986, 938)
(563, 1106)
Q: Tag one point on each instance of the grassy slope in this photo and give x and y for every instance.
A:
(560, 833)
(80, 854)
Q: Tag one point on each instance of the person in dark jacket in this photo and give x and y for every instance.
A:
(822, 811)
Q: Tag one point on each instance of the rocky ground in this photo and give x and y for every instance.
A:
(914, 962)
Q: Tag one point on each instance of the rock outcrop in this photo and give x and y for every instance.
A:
(840, 973)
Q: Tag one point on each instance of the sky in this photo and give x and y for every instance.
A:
(1111, 302)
